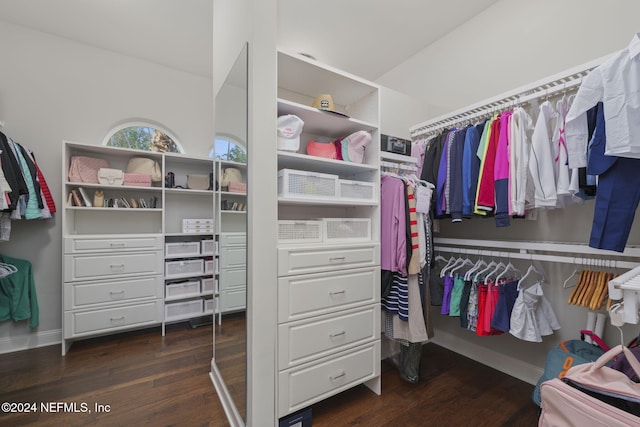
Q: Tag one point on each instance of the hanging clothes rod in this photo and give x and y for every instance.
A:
(565, 81)
(567, 253)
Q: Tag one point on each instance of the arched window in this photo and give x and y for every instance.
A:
(142, 136)
(228, 148)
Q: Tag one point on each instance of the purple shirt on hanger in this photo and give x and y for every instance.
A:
(393, 240)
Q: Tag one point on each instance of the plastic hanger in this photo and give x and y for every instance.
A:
(450, 262)
(532, 269)
(445, 270)
(488, 267)
(575, 273)
(494, 271)
(7, 269)
(481, 263)
(509, 267)
(465, 262)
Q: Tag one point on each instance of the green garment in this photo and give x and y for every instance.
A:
(18, 300)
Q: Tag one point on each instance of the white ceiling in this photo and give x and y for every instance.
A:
(364, 37)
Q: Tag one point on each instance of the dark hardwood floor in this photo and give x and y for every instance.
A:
(150, 380)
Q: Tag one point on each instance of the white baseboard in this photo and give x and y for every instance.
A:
(26, 342)
(499, 361)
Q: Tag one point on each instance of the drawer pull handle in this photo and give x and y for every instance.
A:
(116, 292)
(335, 377)
(116, 267)
(337, 334)
(117, 245)
(113, 319)
(337, 259)
(334, 293)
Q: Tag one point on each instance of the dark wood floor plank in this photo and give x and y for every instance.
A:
(150, 380)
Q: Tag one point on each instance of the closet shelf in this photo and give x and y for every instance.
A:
(288, 160)
(128, 210)
(324, 202)
(192, 296)
(231, 193)
(113, 187)
(323, 123)
(188, 191)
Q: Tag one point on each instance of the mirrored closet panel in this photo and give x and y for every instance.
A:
(229, 366)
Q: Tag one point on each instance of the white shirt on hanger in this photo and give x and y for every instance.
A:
(616, 83)
(541, 164)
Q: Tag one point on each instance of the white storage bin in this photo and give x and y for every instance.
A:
(183, 309)
(208, 285)
(307, 185)
(299, 231)
(182, 289)
(208, 247)
(210, 266)
(182, 249)
(194, 222)
(209, 305)
(346, 229)
(202, 225)
(356, 190)
(184, 267)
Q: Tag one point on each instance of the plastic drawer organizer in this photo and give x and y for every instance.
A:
(208, 247)
(208, 285)
(183, 289)
(184, 267)
(182, 249)
(327, 230)
(358, 191)
(308, 185)
(299, 231)
(183, 309)
(346, 229)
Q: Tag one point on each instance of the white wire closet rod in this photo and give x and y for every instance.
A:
(565, 81)
(568, 253)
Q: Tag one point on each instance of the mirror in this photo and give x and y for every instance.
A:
(230, 331)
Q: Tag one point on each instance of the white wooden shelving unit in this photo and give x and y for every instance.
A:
(115, 271)
(328, 291)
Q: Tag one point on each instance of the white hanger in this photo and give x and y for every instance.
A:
(450, 265)
(465, 262)
(494, 271)
(479, 264)
(507, 268)
(532, 269)
(7, 269)
(488, 267)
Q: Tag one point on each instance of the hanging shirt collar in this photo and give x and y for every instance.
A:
(634, 46)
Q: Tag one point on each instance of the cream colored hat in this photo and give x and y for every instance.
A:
(324, 102)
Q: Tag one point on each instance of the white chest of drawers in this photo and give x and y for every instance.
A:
(111, 284)
(328, 321)
(233, 271)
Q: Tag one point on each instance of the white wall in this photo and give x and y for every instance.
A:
(399, 111)
(53, 89)
(513, 43)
